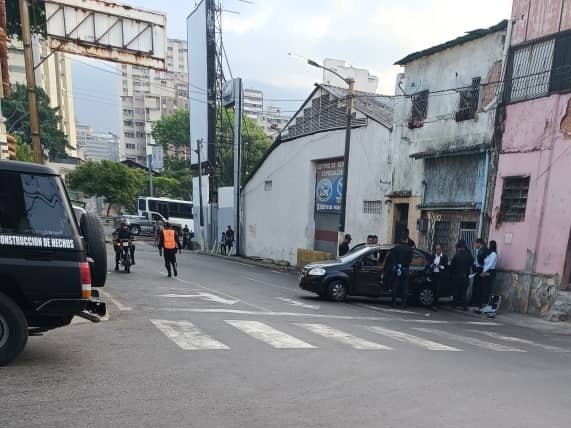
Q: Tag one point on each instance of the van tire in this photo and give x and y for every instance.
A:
(13, 330)
(94, 234)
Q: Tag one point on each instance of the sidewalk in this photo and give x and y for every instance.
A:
(258, 262)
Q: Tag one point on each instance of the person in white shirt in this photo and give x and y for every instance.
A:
(489, 272)
(439, 269)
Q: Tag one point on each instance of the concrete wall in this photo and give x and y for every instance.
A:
(537, 18)
(278, 222)
(536, 143)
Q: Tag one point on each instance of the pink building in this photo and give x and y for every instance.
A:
(531, 209)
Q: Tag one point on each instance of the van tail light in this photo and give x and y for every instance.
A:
(85, 273)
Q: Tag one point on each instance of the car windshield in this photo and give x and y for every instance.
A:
(354, 255)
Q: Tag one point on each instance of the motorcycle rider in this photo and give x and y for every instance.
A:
(121, 233)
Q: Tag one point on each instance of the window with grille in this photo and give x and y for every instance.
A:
(514, 199)
(268, 185)
(469, 100)
(372, 207)
(419, 110)
(538, 69)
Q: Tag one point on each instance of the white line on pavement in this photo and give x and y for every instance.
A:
(266, 283)
(470, 340)
(342, 337)
(497, 336)
(119, 305)
(271, 336)
(376, 308)
(187, 336)
(195, 284)
(297, 303)
(202, 295)
(415, 340)
(483, 323)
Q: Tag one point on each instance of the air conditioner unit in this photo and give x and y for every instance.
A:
(422, 224)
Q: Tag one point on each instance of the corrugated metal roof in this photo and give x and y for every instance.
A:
(470, 36)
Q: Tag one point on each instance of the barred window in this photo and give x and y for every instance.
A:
(372, 207)
(268, 185)
(469, 100)
(514, 199)
(419, 110)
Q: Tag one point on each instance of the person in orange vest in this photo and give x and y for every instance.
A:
(169, 242)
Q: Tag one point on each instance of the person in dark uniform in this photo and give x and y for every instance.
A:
(344, 246)
(481, 254)
(185, 237)
(119, 234)
(229, 240)
(169, 242)
(460, 270)
(398, 265)
(439, 267)
(409, 241)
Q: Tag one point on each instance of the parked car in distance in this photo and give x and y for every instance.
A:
(361, 273)
(144, 224)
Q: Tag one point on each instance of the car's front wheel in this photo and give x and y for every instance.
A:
(337, 290)
(426, 296)
(13, 330)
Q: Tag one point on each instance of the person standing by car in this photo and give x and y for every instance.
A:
(398, 263)
(478, 267)
(169, 242)
(409, 241)
(439, 268)
(488, 273)
(344, 246)
(223, 244)
(229, 240)
(120, 234)
(460, 270)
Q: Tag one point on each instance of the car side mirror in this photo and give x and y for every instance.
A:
(358, 264)
(146, 215)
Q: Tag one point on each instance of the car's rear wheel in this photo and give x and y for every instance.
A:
(337, 290)
(92, 230)
(426, 296)
(13, 330)
(136, 230)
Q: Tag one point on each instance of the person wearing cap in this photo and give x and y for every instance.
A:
(169, 242)
(344, 246)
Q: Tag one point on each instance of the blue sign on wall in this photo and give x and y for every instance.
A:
(329, 186)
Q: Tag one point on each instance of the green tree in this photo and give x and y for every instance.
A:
(115, 182)
(15, 109)
(37, 17)
(173, 132)
(24, 152)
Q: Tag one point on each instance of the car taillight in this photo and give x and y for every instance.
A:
(85, 273)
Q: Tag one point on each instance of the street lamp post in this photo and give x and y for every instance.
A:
(350, 96)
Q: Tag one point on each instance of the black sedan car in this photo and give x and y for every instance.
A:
(361, 273)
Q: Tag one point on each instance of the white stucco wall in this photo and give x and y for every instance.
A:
(278, 222)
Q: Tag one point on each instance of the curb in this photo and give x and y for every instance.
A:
(250, 262)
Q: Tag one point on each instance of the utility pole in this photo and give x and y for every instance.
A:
(237, 157)
(350, 95)
(150, 165)
(31, 81)
(201, 214)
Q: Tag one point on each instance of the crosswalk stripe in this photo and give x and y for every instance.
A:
(470, 340)
(405, 337)
(187, 336)
(271, 336)
(342, 337)
(498, 336)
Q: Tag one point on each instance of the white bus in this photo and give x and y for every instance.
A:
(177, 212)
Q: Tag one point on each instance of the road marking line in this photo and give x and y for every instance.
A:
(202, 295)
(376, 308)
(119, 305)
(195, 284)
(269, 335)
(497, 336)
(470, 340)
(342, 337)
(298, 304)
(187, 336)
(266, 283)
(415, 340)
(483, 323)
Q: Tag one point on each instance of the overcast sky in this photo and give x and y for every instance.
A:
(369, 34)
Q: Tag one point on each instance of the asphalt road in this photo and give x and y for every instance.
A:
(230, 345)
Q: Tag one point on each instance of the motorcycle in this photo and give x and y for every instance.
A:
(125, 259)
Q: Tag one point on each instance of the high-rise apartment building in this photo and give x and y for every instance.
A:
(53, 76)
(148, 95)
(96, 146)
(253, 103)
(364, 80)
